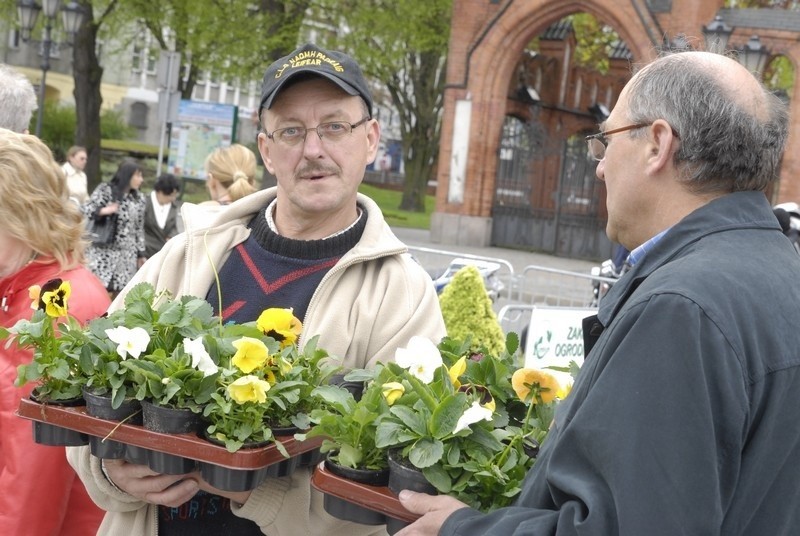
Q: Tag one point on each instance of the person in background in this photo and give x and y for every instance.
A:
(684, 416)
(162, 219)
(313, 243)
(231, 174)
(116, 263)
(17, 100)
(40, 240)
(76, 178)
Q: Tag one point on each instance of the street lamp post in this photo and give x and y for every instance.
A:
(28, 11)
(753, 55)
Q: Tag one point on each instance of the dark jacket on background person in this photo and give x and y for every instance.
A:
(683, 418)
(154, 236)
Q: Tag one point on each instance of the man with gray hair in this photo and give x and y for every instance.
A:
(683, 418)
(17, 100)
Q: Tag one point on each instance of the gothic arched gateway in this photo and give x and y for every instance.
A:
(512, 166)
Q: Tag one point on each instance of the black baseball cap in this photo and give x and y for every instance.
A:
(337, 67)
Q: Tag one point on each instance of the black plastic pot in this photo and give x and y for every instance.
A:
(342, 509)
(99, 405)
(229, 479)
(403, 475)
(56, 436)
(167, 420)
(355, 388)
(169, 464)
(394, 526)
(310, 458)
(106, 449)
(136, 455)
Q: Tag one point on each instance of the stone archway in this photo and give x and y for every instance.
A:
(488, 37)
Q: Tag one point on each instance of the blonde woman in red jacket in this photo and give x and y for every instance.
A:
(40, 240)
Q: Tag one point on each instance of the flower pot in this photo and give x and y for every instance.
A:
(107, 449)
(167, 420)
(310, 458)
(348, 511)
(136, 455)
(56, 436)
(403, 475)
(170, 464)
(394, 526)
(355, 388)
(99, 405)
(228, 479)
(283, 468)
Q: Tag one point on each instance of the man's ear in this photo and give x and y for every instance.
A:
(263, 149)
(373, 137)
(662, 145)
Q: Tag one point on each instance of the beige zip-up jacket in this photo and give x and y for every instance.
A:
(369, 304)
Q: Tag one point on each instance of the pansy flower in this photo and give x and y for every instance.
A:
(392, 391)
(249, 389)
(421, 358)
(200, 358)
(280, 324)
(534, 384)
(250, 354)
(130, 342)
(475, 413)
(51, 297)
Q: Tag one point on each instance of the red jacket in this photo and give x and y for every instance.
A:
(40, 495)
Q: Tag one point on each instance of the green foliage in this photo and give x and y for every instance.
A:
(593, 41)
(349, 427)
(450, 411)
(114, 126)
(58, 127)
(467, 311)
(403, 45)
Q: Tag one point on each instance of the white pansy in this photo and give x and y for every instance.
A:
(130, 342)
(421, 358)
(473, 414)
(200, 358)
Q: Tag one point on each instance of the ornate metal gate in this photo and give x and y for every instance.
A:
(547, 197)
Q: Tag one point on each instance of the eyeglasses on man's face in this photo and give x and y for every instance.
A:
(333, 132)
(598, 142)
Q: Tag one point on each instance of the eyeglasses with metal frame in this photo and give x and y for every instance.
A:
(333, 131)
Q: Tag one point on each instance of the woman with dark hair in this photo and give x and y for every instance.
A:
(162, 218)
(116, 262)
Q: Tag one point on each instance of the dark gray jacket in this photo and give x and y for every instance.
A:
(685, 418)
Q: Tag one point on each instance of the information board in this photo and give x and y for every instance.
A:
(201, 127)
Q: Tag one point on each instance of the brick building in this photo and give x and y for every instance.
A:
(512, 166)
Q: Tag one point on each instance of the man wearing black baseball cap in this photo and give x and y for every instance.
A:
(310, 59)
(313, 243)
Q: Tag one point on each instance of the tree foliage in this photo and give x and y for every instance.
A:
(402, 46)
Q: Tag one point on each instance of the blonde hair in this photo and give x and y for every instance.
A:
(34, 200)
(234, 167)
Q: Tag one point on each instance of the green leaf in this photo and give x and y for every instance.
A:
(446, 415)
(413, 420)
(349, 456)
(436, 475)
(426, 452)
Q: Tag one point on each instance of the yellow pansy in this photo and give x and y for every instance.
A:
(248, 389)
(280, 324)
(544, 384)
(34, 292)
(54, 296)
(250, 354)
(392, 391)
(458, 368)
